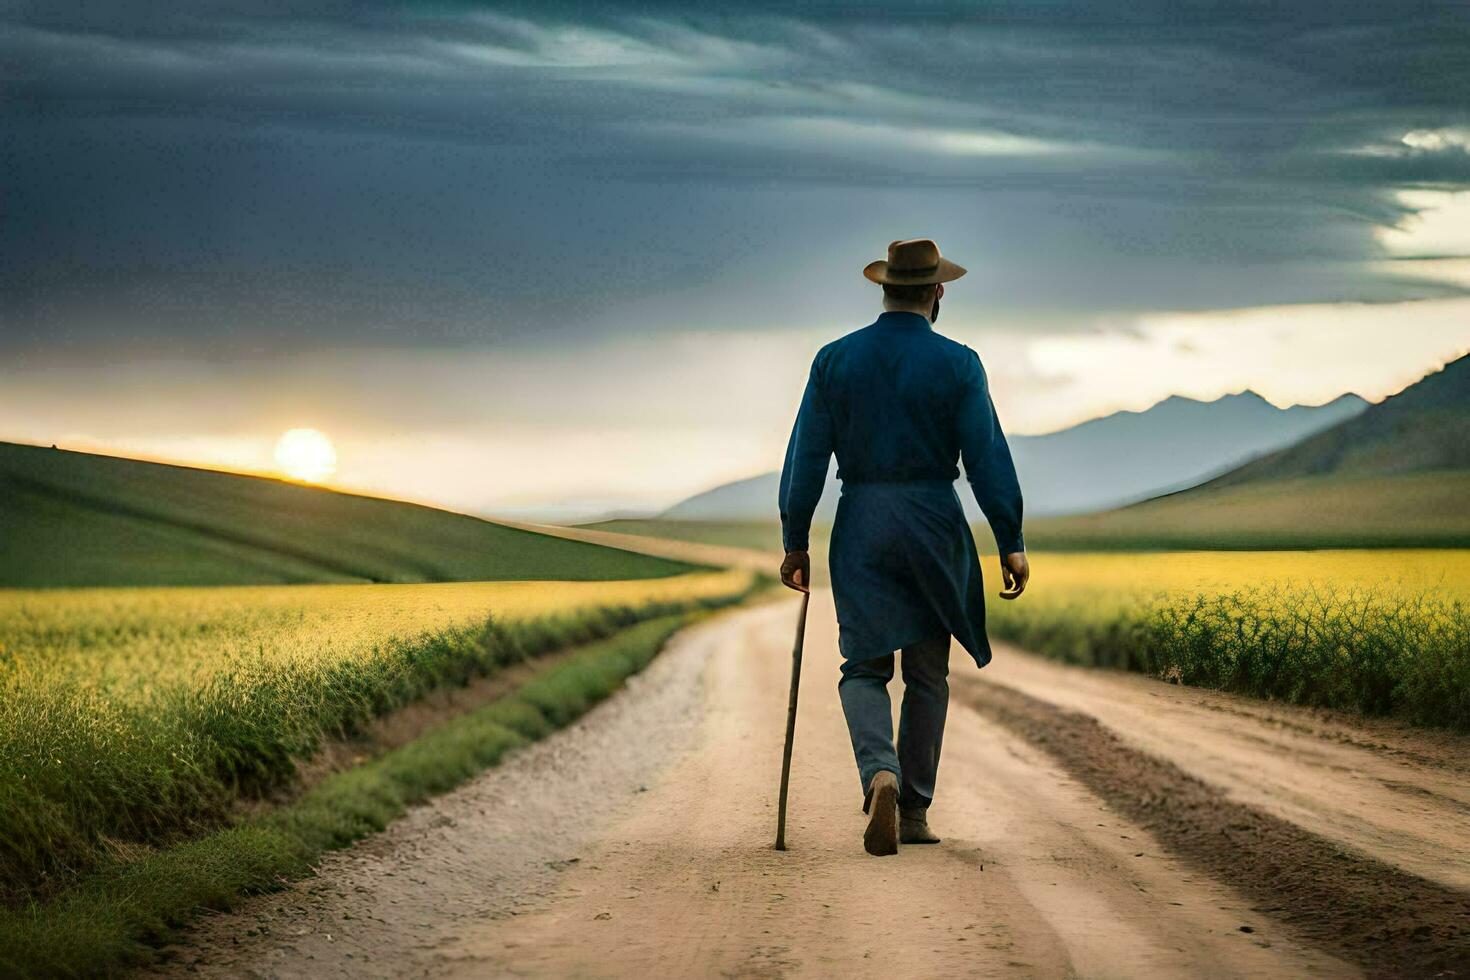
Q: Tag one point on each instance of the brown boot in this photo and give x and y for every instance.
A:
(881, 805)
(913, 827)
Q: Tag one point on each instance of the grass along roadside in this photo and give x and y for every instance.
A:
(137, 718)
(110, 918)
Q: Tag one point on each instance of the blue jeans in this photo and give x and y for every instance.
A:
(864, 693)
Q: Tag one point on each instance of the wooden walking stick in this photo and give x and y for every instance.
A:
(791, 721)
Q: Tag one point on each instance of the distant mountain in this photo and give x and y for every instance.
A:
(1394, 475)
(751, 499)
(1131, 456)
(1425, 427)
(1107, 462)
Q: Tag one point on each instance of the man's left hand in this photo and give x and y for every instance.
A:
(1015, 571)
(796, 571)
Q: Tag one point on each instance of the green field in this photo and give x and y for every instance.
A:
(1412, 510)
(760, 535)
(132, 716)
(73, 519)
(1418, 510)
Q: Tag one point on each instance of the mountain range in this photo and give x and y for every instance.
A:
(1106, 462)
(1396, 474)
(1424, 427)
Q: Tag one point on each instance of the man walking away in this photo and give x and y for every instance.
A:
(900, 406)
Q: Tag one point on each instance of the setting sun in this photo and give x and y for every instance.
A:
(307, 455)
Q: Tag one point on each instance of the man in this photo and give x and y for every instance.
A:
(899, 405)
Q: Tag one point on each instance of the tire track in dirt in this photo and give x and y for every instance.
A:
(1393, 792)
(1392, 923)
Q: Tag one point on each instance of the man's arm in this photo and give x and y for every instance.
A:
(992, 475)
(803, 475)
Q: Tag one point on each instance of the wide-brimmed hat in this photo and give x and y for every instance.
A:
(913, 262)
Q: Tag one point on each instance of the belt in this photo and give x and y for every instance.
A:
(915, 482)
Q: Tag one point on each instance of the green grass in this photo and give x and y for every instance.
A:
(1419, 510)
(757, 535)
(1375, 651)
(74, 519)
(112, 916)
(138, 717)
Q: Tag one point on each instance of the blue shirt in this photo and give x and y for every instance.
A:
(898, 403)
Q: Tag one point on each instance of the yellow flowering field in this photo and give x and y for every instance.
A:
(1372, 631)
(128, 640)
(1403, 570)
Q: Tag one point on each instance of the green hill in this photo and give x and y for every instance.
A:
(1410, 510)
(76, 519)
(757, 535)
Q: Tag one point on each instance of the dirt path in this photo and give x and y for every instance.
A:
(638, 843)
(1399, 794)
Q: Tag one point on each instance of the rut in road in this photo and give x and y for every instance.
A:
(1390, 922)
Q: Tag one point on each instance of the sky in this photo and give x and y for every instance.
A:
(554, 259)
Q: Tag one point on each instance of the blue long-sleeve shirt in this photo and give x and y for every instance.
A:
(897, 402)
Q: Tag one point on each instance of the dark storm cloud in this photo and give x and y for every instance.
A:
(228, 176)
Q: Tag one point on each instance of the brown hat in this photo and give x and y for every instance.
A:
(913, 262)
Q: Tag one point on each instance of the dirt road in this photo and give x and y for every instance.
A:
(638, 842)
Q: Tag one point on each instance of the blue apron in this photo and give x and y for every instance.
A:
(904, 568)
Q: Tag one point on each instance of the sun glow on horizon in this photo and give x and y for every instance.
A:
(306, 455)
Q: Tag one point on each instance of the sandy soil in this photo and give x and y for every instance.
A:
(639, 841)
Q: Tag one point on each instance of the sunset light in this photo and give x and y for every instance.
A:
(306, 455)
(687, 358)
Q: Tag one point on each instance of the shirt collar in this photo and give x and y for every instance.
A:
(903, 318)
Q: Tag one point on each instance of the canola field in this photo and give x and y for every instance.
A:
(134, 717)
(129, 641)
(1381, 632)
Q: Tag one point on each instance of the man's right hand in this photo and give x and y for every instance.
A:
(796, 571)
(1015, 570)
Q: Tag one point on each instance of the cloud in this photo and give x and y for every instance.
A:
(440, 219)
(1433, 140)
(1435, 223)
(1290, 355)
